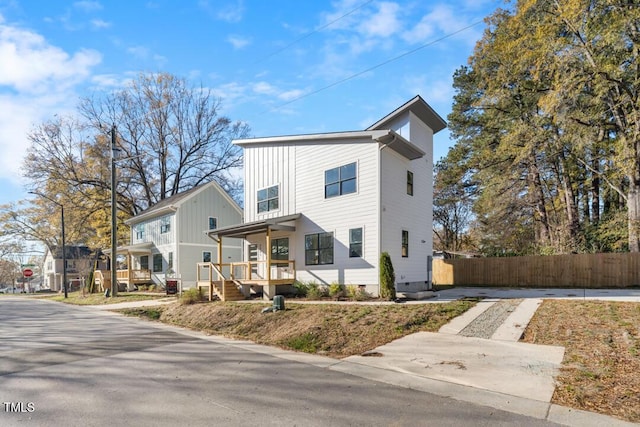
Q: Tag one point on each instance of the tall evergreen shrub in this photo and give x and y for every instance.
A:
(387, 278)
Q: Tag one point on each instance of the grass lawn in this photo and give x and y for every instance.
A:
(99, 299)
(336, 330)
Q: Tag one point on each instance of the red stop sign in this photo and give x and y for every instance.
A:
(27, 272)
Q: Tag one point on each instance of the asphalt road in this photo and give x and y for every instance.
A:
(63, 365)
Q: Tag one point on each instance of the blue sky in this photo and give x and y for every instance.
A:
(274, 64)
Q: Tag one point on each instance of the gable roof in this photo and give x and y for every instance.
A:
(171, 204)
(420, 108)
(71, 251)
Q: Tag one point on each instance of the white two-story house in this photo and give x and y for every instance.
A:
(323, 207)
(169, 239)
(81, 260)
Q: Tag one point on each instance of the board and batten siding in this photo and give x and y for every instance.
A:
(152, 232)
(193, 215)
(338, 214)
(266, 166)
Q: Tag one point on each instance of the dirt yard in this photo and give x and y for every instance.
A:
(601, 367)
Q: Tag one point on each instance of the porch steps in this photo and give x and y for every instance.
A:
(231, 291)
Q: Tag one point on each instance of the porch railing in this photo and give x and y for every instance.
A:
(256, 270)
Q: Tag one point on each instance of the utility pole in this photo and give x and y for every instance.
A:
(114, 212)
(64, 254)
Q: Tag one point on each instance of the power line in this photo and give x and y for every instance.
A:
(388, 61)
(304, 36)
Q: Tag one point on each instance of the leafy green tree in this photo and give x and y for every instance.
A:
(544, 113)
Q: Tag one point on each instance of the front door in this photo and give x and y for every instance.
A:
(253, 256)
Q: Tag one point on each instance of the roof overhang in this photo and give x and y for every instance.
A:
(151, 214)
(400, 145)
(255, 227)
(420, 108)
(137, 249)
(385, 136)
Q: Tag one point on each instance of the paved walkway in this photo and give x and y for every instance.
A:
(499, 371)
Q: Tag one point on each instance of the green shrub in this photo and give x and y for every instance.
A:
(191, 296)
(336, 290)
(301, 288)
(357, 293)
(387, 278)
(316, 291)
(152, 288)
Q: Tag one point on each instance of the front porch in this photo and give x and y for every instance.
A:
(233, 281)
(221, 278)
(130, 277)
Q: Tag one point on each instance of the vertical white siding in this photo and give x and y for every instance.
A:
(187, 238)
(266, 166)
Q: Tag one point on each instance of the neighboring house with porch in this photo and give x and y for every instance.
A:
(81, 260)
(323, 207)
(169, 239)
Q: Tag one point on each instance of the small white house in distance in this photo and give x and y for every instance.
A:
(323, 207)
(81, 261)
(169, 239)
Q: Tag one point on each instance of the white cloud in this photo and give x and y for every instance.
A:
(264, 88)
(231, 13)
(238, 42)
(99, 24)
(433, 89)
(442, 20)
(88, 6)
(290, 95)
(37, 80)
(383, 23)
(30, 64)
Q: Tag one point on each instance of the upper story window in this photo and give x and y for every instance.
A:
(165, 225)
(340, 180)
(410, 183)
(268, 199)
(213, 223)
(139, 231)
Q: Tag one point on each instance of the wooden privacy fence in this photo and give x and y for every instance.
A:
(613, 270)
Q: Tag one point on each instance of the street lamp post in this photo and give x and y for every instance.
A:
(64, 246)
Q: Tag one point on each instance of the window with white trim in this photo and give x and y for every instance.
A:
(165, 225)
(410, 183)
(268, 199)
(213, 223)
(355, 243)
(157, 263)
(139, 232)
(405, 243)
